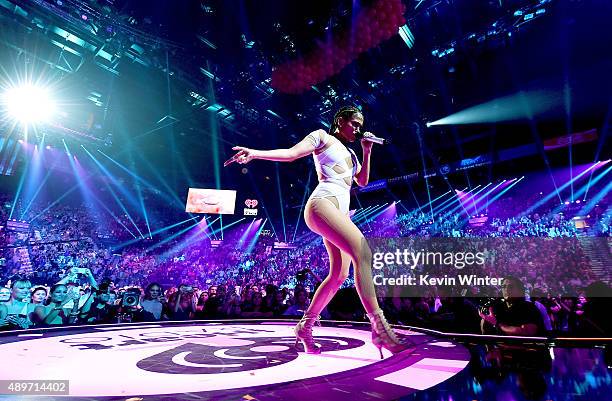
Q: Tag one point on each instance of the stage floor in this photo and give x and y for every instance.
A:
(234, 360)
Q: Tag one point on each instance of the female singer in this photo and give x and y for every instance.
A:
(326, 213)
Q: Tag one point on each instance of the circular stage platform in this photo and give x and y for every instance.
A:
(239, 360)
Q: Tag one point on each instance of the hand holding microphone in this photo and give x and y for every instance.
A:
(370, 137)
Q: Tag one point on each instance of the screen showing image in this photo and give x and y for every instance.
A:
(213, 201)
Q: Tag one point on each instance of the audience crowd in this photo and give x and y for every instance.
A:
(73, 266)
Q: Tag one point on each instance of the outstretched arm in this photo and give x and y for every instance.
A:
(299, 150)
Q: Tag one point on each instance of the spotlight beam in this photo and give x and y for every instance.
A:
(183, 245)
(359, 203)
(600, 143)
(263, 204)
(143, 207)
(19, 188)
(461, 201)
(360, 212)
(597, 178)
(457, 198)
(363, 219)
(190, 239)
(40, 187)
(500, 194)
(172, 237)
(365, 213)
(414, 196)
(158, 231)
(34, 174)
(595, 199)
(374, 215)
(561, 188)
(421, 146)
(88, 195)
(397, 200)
(280, 199)
(504, 109)
(441, 204)
(113, 215)
(255, 238)
(175, 197)
(112, 191)
(245, 235)
(538, 141)
(486, 195)
(230, 225)
(299, 217)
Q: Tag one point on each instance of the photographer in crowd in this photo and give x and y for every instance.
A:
(513, 315)
(130, 308)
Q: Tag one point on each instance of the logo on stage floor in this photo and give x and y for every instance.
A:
(158, 359)
(256, 353)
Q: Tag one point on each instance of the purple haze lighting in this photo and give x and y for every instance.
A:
(246, 234)
(84, 17)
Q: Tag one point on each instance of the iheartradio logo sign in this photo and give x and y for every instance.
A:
(251, 202)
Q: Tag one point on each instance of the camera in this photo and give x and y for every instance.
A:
(486, 304)
(130, 298)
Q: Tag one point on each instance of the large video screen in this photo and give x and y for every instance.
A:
(212, 201)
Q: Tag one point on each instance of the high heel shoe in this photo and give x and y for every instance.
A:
(303, 333)
(384, 337)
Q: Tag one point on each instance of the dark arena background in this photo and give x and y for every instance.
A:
(135, 265)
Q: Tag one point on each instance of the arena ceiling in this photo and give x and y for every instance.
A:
(179, 83)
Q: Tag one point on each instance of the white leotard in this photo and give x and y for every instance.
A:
(331, 182)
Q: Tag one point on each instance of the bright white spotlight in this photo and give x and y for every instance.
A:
(28, 104)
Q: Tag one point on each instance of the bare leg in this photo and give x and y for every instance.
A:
(339, 264)
(325, 219)
(340, 233)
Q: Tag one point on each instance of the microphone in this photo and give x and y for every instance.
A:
(370, 137)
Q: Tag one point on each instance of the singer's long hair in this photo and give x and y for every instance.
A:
(344, 112)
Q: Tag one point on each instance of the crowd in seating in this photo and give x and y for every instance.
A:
(186, 279)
